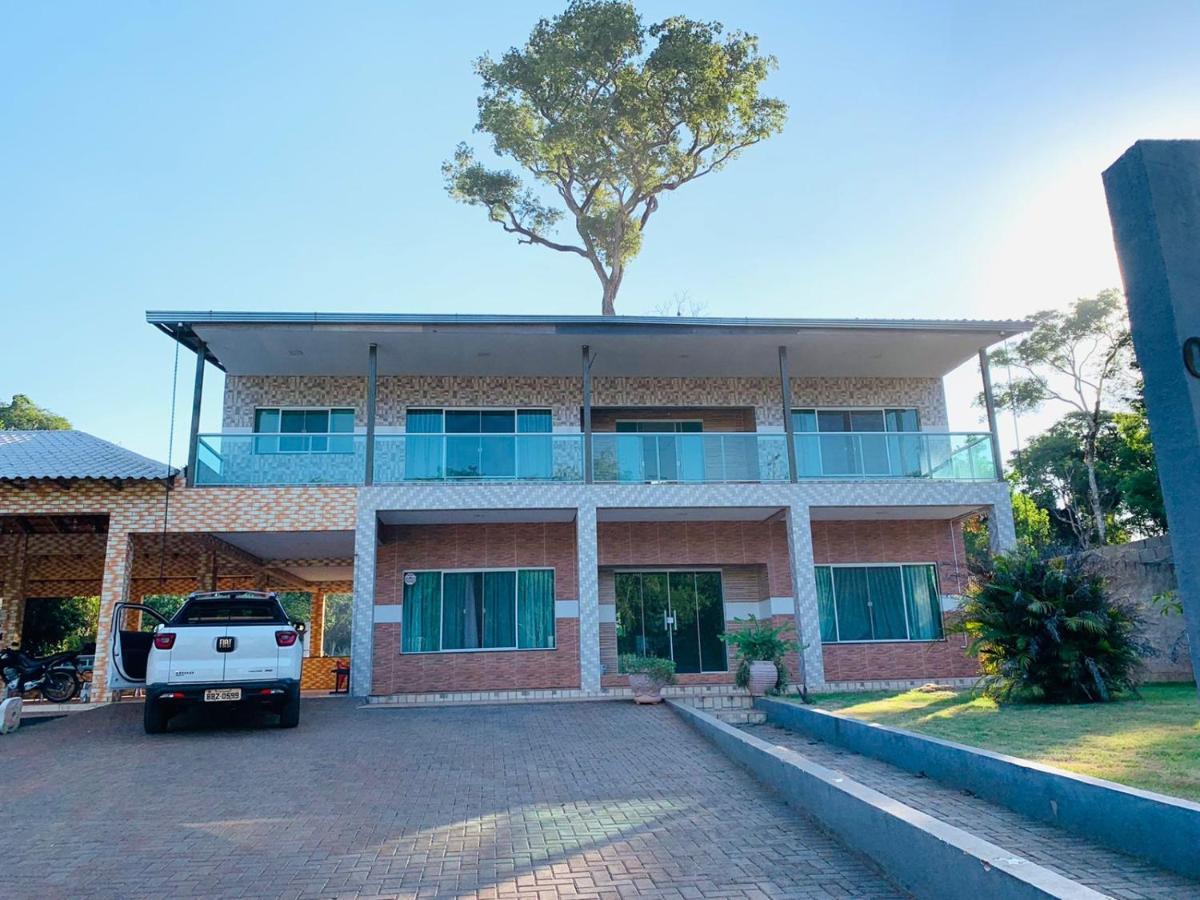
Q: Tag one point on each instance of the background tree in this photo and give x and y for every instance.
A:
(22, 414)
(1052, 471)
(1080, 358)
(608, 127)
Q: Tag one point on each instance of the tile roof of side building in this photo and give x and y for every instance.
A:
(30, 455)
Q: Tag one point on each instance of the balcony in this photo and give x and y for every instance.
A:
(617, 458)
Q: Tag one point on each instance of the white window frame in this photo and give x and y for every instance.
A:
(516, 589)
(937, 575)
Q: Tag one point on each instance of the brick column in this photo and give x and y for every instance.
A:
(804, 587)
(208, 572)
(362, 623)
(13, 613)
(589, 599)
(316, 625)
(114, 589)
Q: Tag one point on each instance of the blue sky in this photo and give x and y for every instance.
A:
(940, 160)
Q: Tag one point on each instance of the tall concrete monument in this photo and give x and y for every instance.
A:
(1154, 203)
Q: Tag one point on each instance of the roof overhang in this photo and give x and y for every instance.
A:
(243, 343)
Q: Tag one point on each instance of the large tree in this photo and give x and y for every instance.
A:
(22, 414)
(607, 125)
(1053, 472)
(1079, 358)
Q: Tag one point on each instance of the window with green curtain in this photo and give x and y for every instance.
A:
(422, 613)
(535, 609)
(492, 609)
(825, 607)
(423, 455)
(924, 603)
(887, 603)
(499, 610)
(878, 603)
(853, 598)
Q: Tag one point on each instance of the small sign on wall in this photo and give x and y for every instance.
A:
(410, 578)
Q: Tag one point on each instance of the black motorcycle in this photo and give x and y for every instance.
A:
(56, 676)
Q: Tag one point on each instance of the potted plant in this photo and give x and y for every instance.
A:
(762, 648)
(647, 675)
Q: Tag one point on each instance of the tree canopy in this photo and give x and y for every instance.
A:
(1081, 358)
(22, 414)
(607, 115)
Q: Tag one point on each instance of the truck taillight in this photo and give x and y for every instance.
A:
(164, 640)
(285, 638)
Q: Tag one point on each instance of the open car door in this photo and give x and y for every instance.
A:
(130, 648)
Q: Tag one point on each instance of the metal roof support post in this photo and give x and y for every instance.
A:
(194, 433)
(785, 384)
(587, 414)
(372, 392)
(990, 402)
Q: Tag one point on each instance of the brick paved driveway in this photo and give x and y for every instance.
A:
(561, 800)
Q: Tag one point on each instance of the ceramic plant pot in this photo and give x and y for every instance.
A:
(646, 689)
(762, 677)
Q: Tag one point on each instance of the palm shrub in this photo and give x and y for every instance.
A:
(761, 642)
(1047, 630)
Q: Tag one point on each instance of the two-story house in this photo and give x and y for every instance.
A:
(534, 496)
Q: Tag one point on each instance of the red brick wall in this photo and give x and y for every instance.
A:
(526, 545)
(910, 540)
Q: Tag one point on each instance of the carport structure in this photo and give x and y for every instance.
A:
(80, 516)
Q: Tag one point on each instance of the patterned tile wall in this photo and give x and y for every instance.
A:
(564, 396)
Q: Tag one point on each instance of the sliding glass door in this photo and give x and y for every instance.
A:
(675, 615)
(662, 452)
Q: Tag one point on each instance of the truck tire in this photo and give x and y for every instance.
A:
(289, 714)
(154, 717)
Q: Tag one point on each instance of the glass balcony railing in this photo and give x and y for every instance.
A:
(478, 457)
(689, 457)
(617, 457)
(280, 459)
(927, 454)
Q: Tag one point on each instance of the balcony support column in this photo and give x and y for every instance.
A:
(804, 589)
(194, 431)
(990, 402)
(587, 414)
(588, 577)
(785, 384)
(372, 393)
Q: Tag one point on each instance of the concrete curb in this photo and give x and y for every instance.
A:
(1164, 830)
(920, 853)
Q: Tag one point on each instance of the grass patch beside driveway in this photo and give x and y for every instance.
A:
(1151, 743)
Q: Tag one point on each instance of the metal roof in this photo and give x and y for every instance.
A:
(190, 327)
(30, 455)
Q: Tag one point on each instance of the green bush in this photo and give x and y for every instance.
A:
(1047, 630)
(760, 642)
(660, 669)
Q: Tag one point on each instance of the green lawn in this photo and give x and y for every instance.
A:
(1152, 742)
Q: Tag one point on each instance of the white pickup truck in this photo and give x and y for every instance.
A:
(221, 648)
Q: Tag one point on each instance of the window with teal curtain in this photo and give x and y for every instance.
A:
(422, 613)
(825, 613)
(887, 603)
(853, 603)
(808, 447)
(535, 609)
(462, 610)
(924, 603)
(499, 610)
(535, 447)
(423, 455)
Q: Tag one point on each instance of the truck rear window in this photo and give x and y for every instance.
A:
(248, 612)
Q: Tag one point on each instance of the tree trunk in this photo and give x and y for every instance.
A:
(611, 286)
(1089, 459)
